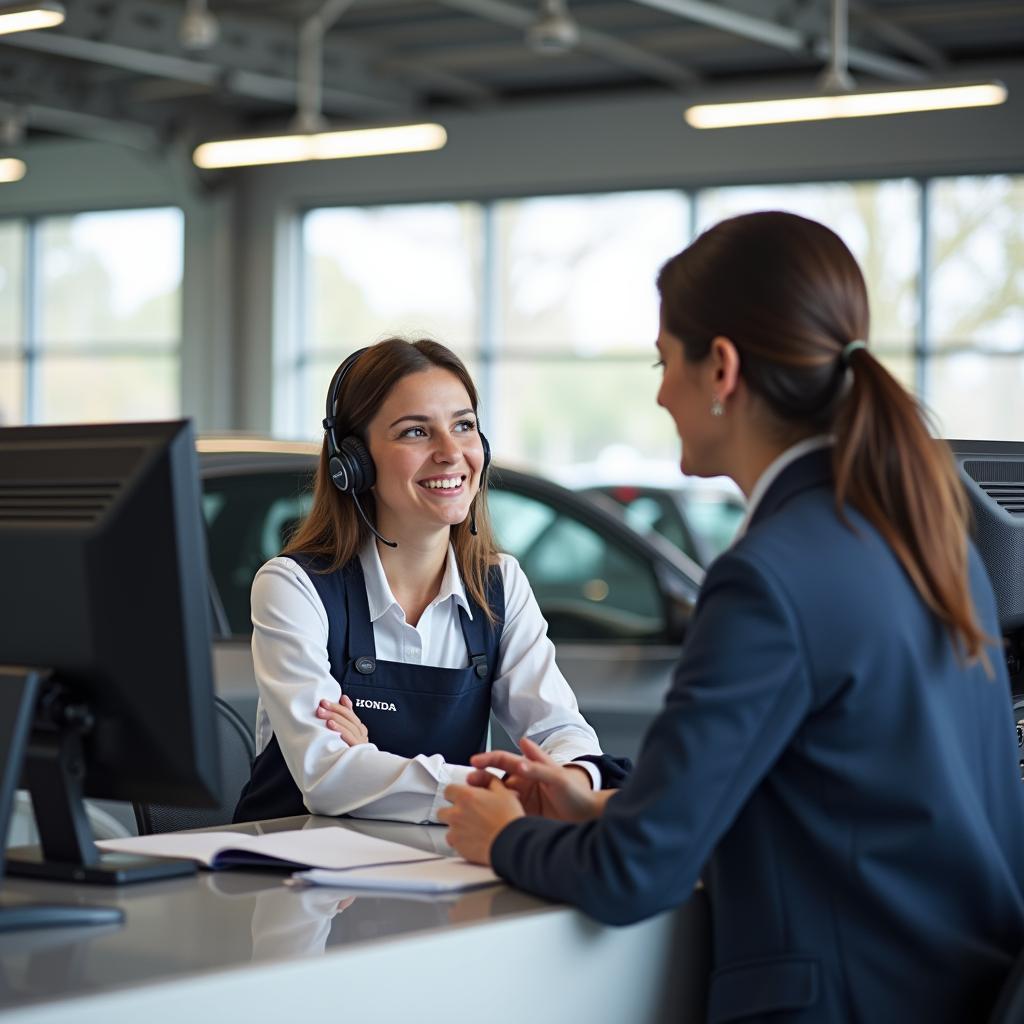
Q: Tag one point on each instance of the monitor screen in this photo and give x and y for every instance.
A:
(104, 593)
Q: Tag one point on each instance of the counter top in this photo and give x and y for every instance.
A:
(221, 941)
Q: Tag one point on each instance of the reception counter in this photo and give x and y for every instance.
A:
(233, 945)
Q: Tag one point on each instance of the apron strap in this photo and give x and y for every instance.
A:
(483, 639)
(360, 649)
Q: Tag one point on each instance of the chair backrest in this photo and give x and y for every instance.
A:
(237, 752)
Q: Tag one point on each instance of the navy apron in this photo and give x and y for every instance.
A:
(407, 709)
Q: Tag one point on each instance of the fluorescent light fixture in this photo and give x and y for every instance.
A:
(26, 17)
(336, 145)
(856, 103)
(11, 170)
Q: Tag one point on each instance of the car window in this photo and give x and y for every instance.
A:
(650, 511)
(588, 586)
(715, 519)
(249, 518)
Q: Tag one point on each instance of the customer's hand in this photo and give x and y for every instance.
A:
(477, 815)
(340, 718)
(544, 787)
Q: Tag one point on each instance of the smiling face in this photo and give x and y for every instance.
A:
(428, 454)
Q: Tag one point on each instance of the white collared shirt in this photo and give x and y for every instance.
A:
(774, 470)
(529, 696)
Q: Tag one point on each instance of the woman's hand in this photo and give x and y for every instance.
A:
(476, 817)
(340, 718)
(543, 786)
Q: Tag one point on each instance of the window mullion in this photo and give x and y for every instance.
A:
(31, 305)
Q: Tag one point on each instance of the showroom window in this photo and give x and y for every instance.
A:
(551, 301)
(90, 316)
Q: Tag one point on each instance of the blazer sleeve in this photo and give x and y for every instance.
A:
(739, 694)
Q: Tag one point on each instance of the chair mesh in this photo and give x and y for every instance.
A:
(237, 752)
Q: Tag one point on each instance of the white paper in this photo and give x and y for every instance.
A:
(334, 848)
(447, 875)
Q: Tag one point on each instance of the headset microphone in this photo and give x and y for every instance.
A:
(373, 529)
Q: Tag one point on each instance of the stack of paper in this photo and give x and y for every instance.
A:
(337, 856)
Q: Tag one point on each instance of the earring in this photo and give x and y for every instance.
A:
(717, 409)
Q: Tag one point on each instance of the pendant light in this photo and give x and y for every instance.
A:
(310, 138)
(28, 17)
(837, 95)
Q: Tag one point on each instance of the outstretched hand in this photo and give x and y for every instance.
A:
(543, 786)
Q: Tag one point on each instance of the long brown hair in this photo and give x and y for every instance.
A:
(333, 531)
(789, 295)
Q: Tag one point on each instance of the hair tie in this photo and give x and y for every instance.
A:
(848, 351)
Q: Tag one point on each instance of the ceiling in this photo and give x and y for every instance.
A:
(117, 70)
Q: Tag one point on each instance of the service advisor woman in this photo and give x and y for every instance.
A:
(836, 756)
(381, 650)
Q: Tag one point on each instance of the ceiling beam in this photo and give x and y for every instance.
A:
(83, 125)
(185, 69)
(591, 41)
(902, 39)
(772, 33)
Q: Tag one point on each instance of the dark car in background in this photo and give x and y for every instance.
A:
(617, 603)
(699, 517)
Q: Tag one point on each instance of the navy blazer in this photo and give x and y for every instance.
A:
(847, 788)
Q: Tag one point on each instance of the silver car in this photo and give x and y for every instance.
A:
(617, 603)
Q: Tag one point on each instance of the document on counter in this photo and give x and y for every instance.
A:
(433, 876)
(336, 849)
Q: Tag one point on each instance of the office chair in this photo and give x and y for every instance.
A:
(237, 752)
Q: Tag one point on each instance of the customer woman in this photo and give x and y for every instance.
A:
(381, 650)
(836, 757)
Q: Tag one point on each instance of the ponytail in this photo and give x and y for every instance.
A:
(903, 481)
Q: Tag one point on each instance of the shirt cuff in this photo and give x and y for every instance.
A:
(450, 774)
(592, 770)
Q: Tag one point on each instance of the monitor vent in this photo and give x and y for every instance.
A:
(994, 471)
(1002, 482)
(58, 501)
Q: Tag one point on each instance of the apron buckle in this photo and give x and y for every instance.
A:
(479, 662)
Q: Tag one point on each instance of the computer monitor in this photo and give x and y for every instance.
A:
(104, 612)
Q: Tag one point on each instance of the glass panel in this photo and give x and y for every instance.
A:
(249, 518)
(12, 391)
(977, 262)
(577, 273)
(978, 396)
(408, 270)
(878, 220)
(560, 412)
(313, 378)
(12, 279)
(75, 389)
(903, 368)
(111, 278)
(587, 586)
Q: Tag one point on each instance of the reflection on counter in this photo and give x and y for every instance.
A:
(295, 920)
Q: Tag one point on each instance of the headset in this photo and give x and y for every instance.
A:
(349, 462)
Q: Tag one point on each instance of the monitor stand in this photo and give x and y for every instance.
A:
(48, 752)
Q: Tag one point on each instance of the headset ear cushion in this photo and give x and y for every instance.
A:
(487, 453)
(359, 463)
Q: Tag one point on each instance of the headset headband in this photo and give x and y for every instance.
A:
(330, 418)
